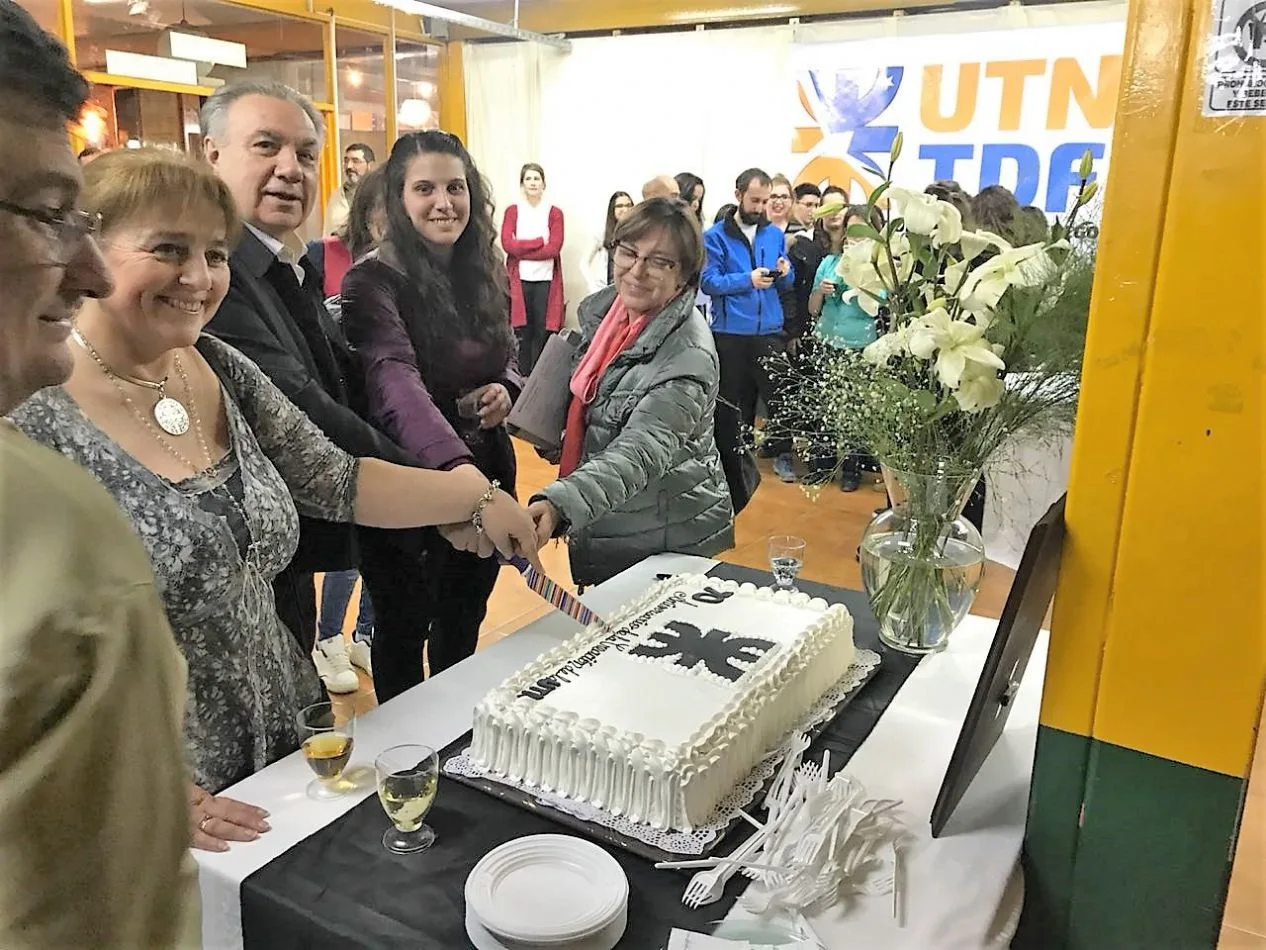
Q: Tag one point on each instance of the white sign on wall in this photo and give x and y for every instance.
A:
(1016, 107)
(1235, 60)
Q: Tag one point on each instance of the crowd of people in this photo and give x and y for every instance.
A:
(203, 414)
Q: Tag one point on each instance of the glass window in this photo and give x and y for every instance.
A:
(278, 47)
(417, 87)
(362, 90)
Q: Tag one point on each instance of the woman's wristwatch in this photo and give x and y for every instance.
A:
(477, 516)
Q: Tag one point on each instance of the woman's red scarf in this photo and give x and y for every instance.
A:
(617, 332)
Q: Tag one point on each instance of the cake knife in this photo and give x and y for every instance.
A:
(554, 593)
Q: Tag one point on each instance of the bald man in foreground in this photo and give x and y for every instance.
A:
(662, 186)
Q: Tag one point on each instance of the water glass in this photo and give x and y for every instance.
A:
(786, 557)
(326, 738)
(408, 780)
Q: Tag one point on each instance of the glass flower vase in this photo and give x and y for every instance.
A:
(922, 562)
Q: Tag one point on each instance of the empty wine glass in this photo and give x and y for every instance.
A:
(786, 556)
(408, 780)
(327, 739)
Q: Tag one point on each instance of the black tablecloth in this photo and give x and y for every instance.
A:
(341, 888)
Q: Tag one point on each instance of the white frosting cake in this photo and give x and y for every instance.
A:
(662, 711)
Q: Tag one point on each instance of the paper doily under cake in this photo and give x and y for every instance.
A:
(694, 842)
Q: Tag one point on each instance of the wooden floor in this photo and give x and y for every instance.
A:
(832, 526)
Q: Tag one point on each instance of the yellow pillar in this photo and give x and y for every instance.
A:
(453, 90)
(1158, 657)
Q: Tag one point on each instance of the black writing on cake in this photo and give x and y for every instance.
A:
(717, 650)
(617, 640)
(710, 595)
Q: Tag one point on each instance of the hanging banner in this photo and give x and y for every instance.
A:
(1012, 107)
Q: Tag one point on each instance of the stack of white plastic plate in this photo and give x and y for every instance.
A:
(547, 891)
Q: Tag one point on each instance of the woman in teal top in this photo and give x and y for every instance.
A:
(839, 323)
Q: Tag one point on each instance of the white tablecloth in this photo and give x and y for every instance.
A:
(955, 883)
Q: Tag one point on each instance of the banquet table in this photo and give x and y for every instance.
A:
(955, 884)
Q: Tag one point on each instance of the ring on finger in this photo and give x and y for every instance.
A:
(202, 825)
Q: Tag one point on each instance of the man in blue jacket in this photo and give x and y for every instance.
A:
(746, 270)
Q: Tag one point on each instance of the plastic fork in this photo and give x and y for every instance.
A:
(706, 887)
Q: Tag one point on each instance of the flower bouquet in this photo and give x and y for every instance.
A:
(980, 339)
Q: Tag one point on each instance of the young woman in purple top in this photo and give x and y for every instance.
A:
(429, 314)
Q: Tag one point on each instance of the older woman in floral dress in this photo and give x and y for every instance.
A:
(213, 465)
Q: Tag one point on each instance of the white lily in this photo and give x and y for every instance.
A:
(949, 230)
(860, 272)
(902, 258)
(927, 215)
(984, 287)
(974, 243)
(956, 344)
(953, 275)
(979, 389)
(1041, 267)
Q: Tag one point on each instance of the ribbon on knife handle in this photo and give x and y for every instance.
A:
(555, 594)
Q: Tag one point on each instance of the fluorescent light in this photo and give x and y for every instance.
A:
(159, 68)
(202, 49)
(766, 12)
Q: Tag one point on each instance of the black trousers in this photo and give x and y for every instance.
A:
(744, 381)
(295, 596)
(435, 599)
(532, 335)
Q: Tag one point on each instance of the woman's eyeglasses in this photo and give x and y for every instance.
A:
(64, 228)
(656, 265)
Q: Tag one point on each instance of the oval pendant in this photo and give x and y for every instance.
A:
(171, 416)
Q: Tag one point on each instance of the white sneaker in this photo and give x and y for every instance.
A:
(359, 653)
(334, 667)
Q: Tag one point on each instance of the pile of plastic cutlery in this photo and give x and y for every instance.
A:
(823, 839)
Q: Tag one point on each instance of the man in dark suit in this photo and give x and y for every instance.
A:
(264, 140)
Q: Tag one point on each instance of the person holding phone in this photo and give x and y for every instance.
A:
(840, 323)
(746, 271)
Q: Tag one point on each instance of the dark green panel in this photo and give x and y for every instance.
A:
(1050, 843)
(1149, 862)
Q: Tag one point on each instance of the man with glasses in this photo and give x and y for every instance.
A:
(808, 198)
(358, 160)
(746, 271)
(94, 826)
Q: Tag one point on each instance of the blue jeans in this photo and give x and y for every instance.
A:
(336, 591)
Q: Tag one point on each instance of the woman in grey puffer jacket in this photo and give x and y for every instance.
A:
(640, 471)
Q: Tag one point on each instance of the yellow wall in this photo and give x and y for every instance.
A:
(1157, 642)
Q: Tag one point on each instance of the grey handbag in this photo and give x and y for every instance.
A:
(540, 413)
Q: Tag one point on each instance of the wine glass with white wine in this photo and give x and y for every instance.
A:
(408, 780)
(327, 739)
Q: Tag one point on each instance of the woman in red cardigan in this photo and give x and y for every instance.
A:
(532, 235)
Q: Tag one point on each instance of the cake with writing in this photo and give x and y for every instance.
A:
(662, 711)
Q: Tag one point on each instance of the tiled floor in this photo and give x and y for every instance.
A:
(832, 525)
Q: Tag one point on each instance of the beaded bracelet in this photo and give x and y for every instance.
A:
(477, 518)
